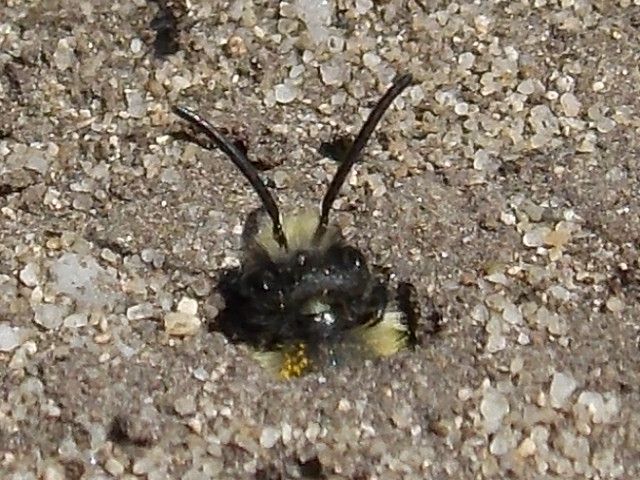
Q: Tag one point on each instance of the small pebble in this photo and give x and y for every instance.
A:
(187, 305)
(29, 274)
(181, 324)
(312, 431)
(140, 311)
(269, 437)
(496, 343)
(76, 320)
(54, 471)
(333, 73)
(49, 316)
(363, 6)
(535, 237)
(195, 424)
(483, 161)
(527, 448)
(185, 405)
(570, 104)
(136, 45)
(64, 57)
(371, 60)
(562, 386)
(10, 337)
(502, 442)
(236, 46)
(136, 103)
(526, 87)
(493, 406)
(605, 124)
(36, 161)
(114, 467)
(465, 394)
(285, 93)
(511, 314)
(557, 325)
(466, 60)
(615, 304)
(344, 405)
(461, 108)
(556, 238)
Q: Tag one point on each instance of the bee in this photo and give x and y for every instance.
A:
(302, 297)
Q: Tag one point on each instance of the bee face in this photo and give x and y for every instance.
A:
(302, 297)
(310, 294)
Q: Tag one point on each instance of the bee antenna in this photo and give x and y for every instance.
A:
(353, 154)
(241, 161)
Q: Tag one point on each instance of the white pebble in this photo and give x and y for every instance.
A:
(594, 402)
(287, 433)
(269, 437)
(64, 57)
(114, 467)
(136, 45)
(483, 161)
(605, 124)
(344, 405)
(465, 394)
(527, 448)
(496, 343)
(507, 218)
(187, 305)
(494, 406)
(363, 6)
(466, 60)
(615, 304)
(482, 23)
(601, 411)
(178, 82)
(312, 431)
(334, 73)
(562, 386)
(370, 60)
(285, 93)
(512, 314)
(185, 405)
(181, 324)
(29, 274)
(140, 311)
(461, 108)
(10, 337)
(316, 14)
(570, 104)
(526, 87)
(136, 103)
(76, 320)
(36, 161)
(502, 442)
(49, 316)
(535, 237)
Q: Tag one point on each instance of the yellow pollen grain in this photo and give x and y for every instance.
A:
(295, 362)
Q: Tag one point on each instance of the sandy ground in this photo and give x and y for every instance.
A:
(503, 184)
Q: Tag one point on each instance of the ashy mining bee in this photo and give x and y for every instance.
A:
(302, 296)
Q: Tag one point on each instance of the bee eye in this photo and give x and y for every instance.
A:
(260, 281)
(352, 258)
